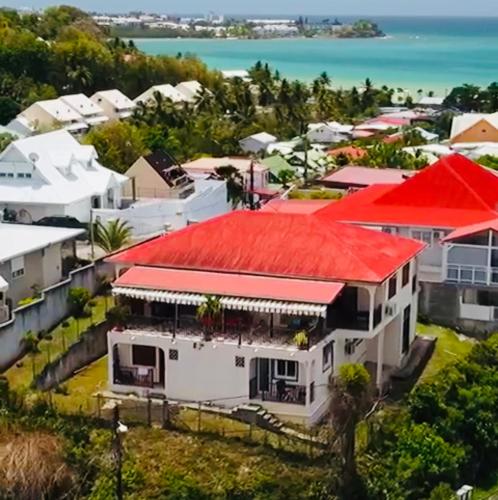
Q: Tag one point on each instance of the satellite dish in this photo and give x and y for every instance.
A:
(34, 157)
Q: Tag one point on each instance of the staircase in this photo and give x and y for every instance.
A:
(257, 415)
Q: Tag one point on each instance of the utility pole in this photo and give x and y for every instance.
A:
(118, 453)
(251, 185)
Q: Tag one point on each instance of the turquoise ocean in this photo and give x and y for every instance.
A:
(419, 52)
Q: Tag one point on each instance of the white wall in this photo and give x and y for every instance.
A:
(148, 217)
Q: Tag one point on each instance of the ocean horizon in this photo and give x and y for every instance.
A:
(429, 53)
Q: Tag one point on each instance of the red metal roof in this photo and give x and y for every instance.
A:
(461, 232)
(451, 193)
(366, 176)
(294, 206)
(231, 285)
(277, 244)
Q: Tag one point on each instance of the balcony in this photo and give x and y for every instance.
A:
(279, 392)
(359, 320)
(133, 376)
(238, 330)
(472, 275)
(478, 312)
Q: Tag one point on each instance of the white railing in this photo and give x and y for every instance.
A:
(473, 275)
(477, 312)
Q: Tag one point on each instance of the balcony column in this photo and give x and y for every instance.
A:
(371, 310)
(380, 361)
(308, 383)
(489, 277)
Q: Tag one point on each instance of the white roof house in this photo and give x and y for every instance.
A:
(167, 91)
(190, 90)
(47, 115)
(91, 112)
(114, 103)
(429, 102)
(236, 73)
(52, 174)
(329, 132)
(21, 239)
(257, 142)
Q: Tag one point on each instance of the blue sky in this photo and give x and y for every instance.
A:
(329, 7)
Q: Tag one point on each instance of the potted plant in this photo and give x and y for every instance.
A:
(301, 340)
(209, 314)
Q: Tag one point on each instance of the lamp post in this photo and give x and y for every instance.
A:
(118, 429)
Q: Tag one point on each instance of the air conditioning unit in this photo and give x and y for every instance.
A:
(390, 310)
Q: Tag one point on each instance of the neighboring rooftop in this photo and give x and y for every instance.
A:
(452, 192)
(461, 123)
(209, 165)
(168, 169)
(279, 245)
(21, 239)
(351, 176)
(294, 206)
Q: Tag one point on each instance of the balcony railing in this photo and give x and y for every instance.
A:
(474, 275)
(139, 377)
(279, 392)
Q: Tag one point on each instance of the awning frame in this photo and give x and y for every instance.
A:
(234, 303)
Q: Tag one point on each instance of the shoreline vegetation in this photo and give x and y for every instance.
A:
(231, 30)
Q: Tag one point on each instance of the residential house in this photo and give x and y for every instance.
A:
(351, 177)
(275, 165)
(114, 103)
(450, 205)
(91, 112)
(329, 132)
(244, 165)
(158, 175)
(474, 127)
(162, 196)
(351, 153)
(166, 91)
(257, 143)
(190, 90)
(52, 174)
(243, 74)
(43, 116)
(33, 258)
(351, 292)
(431, 102)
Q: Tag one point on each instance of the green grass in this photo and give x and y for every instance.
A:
(449, 348)
(20, 375)
(82, 387)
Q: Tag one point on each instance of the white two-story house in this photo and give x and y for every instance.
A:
(52, 174)
(452, 207)
(299, 297)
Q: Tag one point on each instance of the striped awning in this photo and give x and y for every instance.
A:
(237, 303)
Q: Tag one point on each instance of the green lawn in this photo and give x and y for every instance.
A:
(82, 387)
(449, 348)
(20, 375)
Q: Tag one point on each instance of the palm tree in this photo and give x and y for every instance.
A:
(209, 314)
(349, 403)
(112, 236)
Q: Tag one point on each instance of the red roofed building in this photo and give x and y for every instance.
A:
(441, 200)
(297, 295)
(351, 152)
(351, 177)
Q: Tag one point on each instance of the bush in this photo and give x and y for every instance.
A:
(78, 299)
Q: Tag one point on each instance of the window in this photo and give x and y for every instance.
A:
(351, 345)
(28, 176)
(143, 355)
(3, 174)
(406, 275)
(425, 236)
(406, 330)
(312, 392)
(240, 361)
(20, 175)
(414, 283)
(390, 230)
(393, 285)
(11, 175)
(285, 369)
(327, 356)
(173, 354)
(17, 267)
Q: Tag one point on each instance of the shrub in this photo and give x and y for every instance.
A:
(78, 299)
